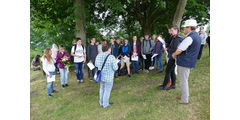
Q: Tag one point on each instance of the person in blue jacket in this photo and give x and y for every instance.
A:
(125, 56)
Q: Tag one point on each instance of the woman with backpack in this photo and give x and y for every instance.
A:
(62, 58)
(49, 69)
(79, 53)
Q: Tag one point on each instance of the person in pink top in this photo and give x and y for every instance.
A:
(61, 55)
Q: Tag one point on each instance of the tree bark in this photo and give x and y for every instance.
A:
(146, 28)
(79, 6)
(177, 18)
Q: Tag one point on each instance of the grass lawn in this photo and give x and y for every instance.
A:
(135, 98)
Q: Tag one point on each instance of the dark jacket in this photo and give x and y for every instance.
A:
(114, 49)
(138, 49)
(92, 52)
(188, 58)
(174, 45)
(158, 48)
(125, 50)
(168, 39)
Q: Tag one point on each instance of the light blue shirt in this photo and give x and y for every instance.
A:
(185, 43)
(107, 74)
(203, 37)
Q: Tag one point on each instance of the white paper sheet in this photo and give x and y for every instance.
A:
(51, 79)
(134, 58)
(125, 59)
(144, 57)
(91, 66)
(117, 60)
(154, 55)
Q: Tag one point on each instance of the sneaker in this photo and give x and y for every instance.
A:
(129, 76)
(151, 68)
(78, 81)
(110, 104)
(81, 81)
(66, 85)
(63, 86)
(146, 71)
(54, 91)
(161, 71)
(50, 96)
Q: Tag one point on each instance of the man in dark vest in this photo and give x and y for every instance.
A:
(170, 69)
(186, 57)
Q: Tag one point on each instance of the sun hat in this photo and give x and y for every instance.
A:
(190, 23)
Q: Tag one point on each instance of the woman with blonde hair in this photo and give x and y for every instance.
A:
(49, 69)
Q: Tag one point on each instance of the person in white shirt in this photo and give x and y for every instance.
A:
(54, 54)
(203, 36)
(79, 53)
(103, 42)
(49, 69)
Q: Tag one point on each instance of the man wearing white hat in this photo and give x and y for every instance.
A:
(186, 57)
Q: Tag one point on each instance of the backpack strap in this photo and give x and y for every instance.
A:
(150, 43)
(105, 61)
(75, 47)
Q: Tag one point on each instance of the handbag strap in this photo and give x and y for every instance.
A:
(104, 62)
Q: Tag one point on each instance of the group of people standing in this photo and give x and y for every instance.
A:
(136, 56)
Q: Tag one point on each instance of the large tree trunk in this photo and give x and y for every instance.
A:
(80, 19)
(177, 18)
(146, 28)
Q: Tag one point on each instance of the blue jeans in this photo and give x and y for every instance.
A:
(159, 62)
(153, 62)
(49, 87)
(135, 66)
(79, 70)
(63, 75)
(82, 70)
(104, 93)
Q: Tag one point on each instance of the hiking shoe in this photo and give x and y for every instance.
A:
(66, 85)
(63, 86)
(181, 102)
(161, 87)
(129, 76)
(171, 87)
(50, 96)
